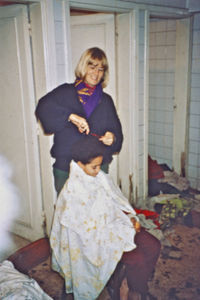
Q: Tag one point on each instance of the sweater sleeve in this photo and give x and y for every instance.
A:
(54, 108)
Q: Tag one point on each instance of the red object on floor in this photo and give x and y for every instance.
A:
(152, 215)
(154, 169)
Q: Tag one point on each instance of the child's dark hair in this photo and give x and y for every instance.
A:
(87, 148)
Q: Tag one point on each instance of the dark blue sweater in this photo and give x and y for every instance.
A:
(53, 111)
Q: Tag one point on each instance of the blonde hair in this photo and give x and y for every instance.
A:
(87, 58)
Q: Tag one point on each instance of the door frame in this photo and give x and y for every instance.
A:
(117, 6)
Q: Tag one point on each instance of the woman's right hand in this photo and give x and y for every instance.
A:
(80, 123)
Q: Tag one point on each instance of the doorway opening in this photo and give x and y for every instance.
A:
(162, 64)
(169, 86)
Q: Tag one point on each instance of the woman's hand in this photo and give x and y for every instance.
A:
(108, 138)
(136, 224)
(80, 123)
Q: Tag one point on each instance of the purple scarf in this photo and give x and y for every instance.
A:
(89, 98)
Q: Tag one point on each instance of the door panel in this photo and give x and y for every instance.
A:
(17, 121)
(97, 30)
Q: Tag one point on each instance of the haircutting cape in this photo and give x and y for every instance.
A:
(90, 232)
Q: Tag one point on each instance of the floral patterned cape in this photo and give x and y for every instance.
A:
(90, 232)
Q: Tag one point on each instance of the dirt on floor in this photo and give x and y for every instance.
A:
(177, 274)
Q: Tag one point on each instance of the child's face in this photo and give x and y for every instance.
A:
(93, 167)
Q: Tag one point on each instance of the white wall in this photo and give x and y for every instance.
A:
(194, 120)
(161, 89)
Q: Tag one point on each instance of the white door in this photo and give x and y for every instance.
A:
(17, 121)
(96, 30)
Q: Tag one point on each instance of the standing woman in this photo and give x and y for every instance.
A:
(80, 108)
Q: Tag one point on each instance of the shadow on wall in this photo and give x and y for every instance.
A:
(9, 206)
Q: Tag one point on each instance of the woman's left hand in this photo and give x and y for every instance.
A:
(108, 138)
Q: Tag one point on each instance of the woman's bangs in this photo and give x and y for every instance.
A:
(102, 61)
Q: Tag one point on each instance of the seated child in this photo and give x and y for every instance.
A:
(93, 224)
